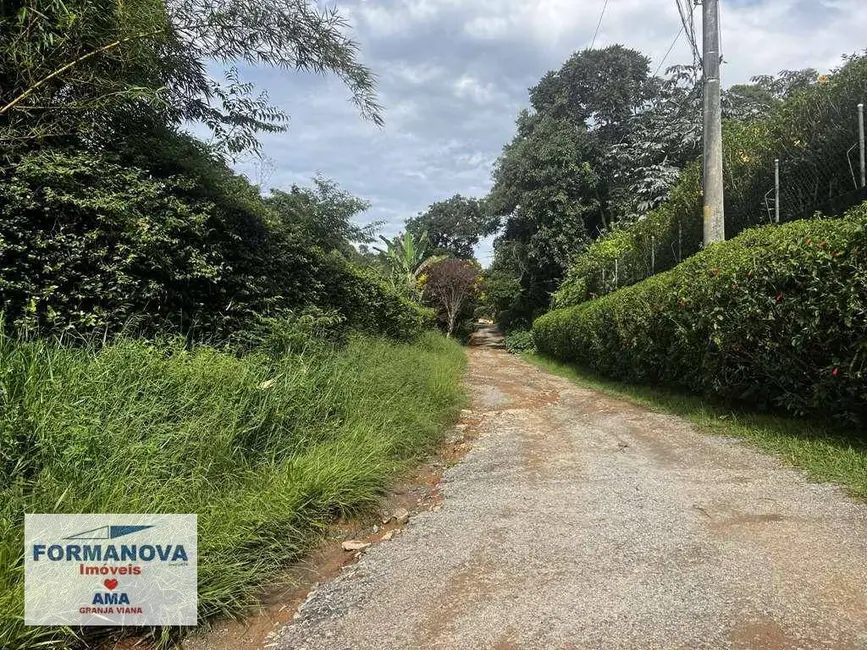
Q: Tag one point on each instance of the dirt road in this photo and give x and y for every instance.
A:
(583, 521)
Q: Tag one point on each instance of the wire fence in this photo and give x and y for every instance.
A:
(786, 168)
(823, 175)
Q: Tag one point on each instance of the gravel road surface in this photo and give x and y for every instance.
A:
(583, 521)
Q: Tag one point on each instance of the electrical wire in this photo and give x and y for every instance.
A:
(599, 24)
(687, 20)
(670, 48)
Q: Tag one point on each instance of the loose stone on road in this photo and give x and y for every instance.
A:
(583, 521)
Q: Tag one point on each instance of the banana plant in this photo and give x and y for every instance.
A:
(407, 259)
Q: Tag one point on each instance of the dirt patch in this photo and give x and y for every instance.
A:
(475, 583)
(763, 634)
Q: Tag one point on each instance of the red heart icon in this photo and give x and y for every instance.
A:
(110, 584)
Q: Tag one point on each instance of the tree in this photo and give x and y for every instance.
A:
(503, 296)
(453, 226)
(324, 215)
(755, 100)
(88, 68)
(663, 138)
(549, 197)
(602, 88)
(452, 286)
(603, 144)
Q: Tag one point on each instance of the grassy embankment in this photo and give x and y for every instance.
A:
(267, 451)
(825, 452)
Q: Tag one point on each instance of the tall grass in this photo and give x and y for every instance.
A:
(265, 450)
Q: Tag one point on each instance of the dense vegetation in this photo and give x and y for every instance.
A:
(88, 242)
(602, 142)
(112, 218)
(253, 359)
(171, 340)
(453, 226)
(267, 448)
(810, 128)
(601, 184)
(776, 318)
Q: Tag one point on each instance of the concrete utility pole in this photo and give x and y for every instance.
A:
(862, 144)
(776, 190)
(714, 218)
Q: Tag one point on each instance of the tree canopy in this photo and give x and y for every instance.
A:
(113, 217)
(601, 145)
(85, 68)
(324, 215)
(558, 183)
(453, 226)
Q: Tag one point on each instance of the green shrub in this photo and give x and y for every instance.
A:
(266, 449)
(369, 304)
(520, 341)
(91, 243)
(776, 317)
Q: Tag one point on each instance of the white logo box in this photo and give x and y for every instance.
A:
(100, 569)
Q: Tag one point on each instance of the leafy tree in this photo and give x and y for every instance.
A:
(603, 88)
(87, 68)
(755, 100)
(323, 215)
(503, 298)
(787, 82)
(453, 226)
(549, 197)
(663, 138)
(452, 287)
(567, 174)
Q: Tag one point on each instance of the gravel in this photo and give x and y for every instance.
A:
(578, 520)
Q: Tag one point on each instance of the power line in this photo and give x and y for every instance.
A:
(599, 24)
(687, 21)
(671, 47)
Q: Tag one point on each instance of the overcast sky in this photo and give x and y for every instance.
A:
(453, 75)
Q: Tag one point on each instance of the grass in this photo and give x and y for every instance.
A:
(266, 450)
(827, 454)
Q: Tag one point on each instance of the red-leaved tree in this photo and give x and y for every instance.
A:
(452, 288)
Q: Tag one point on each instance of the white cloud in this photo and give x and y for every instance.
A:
(758, 37)
(468, 87)
(414, 74)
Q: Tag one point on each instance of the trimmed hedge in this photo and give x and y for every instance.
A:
(519, 341)
(776, 317)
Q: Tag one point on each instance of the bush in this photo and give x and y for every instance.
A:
(520, 341)
(90, 243)
(369, 304)
(776, 317)
(267, 449)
